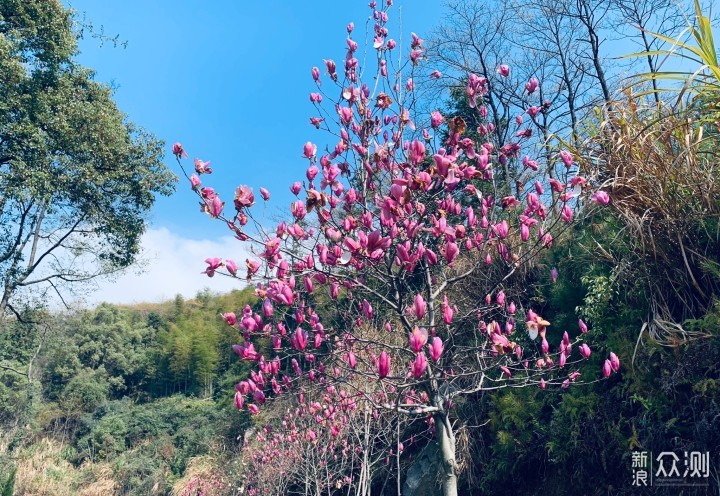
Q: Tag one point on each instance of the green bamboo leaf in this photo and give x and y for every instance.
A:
(659, 52)
(647, 76)
(676, 42)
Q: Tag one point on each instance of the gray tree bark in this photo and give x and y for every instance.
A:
(446, 444)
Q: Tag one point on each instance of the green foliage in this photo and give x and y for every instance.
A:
(108, 386)
(85, 392)
(579, 440)
(184, 427)
(73, 170)
(701, 51)
(7, 484)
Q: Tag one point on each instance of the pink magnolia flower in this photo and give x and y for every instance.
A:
(566, 158)
(346, 116)
(547, 240)
(296, 187)
(214, 207)
(298, 209)
(332, 70)
(252, 266)
(532, 85)
(416, 152)
(502, 229)
(259, 396)
(352, 360)
(231, 267)
(419, 365)
(451, 251)
(417, 339)
(436, 119)
(436, 348)
(524, 232)
(556, 185)
(265, 194)
(246, 352)
(419, 307)
(244, 197)
(503, 70)
(578, 181)
(505, 371)
(585, 350)
(213, 265)
(583, 327)
(299, 339)
(566, 213)
(229, 318)
(202, 167)
(267, 308)
(614, 362)
(194, 181)
(312, 172)
(178, 151)
(238, 400)
(383, 365)
(607, 368)
(448, 311)
(600, 197)
(416, 41)
(436, 74)
(415, 56)
(367, 309)
(309, 150)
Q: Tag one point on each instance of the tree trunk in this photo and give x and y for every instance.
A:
(446, 443)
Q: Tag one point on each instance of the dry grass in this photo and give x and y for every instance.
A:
(42, 471)
(662, 172)
(202, 474)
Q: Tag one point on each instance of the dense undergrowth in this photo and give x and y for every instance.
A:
(137, 400)
(138, 397)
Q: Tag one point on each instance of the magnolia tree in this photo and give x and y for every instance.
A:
(389, 291)
(310, 453)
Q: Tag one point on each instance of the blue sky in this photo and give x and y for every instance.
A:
(230, 80)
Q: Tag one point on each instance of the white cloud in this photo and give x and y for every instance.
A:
(172, 265)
